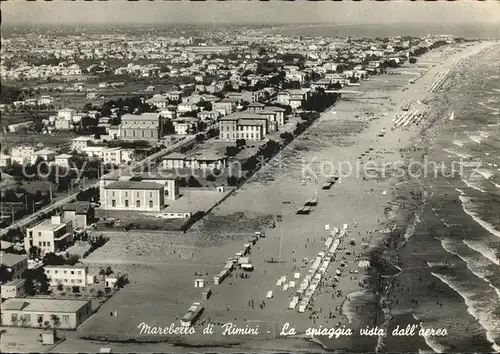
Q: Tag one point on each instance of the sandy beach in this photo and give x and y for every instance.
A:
(352, 140)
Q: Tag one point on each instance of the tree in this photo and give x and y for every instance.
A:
(211, 178)
(121, 281)
(99, 293)
(287, 137)
(168, 127)
(240, 142)
(72, 259)
(56, 321)
(232, 151)
(53, 259)
(5, 274)
(36, 281)
(35, 252)
(193, 182)
(232, 181)
(199, 138)
(182, 182)
(108, 270)
(76, 290)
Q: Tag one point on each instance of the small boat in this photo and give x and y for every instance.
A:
(452, 115)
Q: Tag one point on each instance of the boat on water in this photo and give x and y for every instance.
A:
(452, 115)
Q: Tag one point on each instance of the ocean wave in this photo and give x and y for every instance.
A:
(460, 143)
(430, 340)
(468, 184)
(484, 250)
(488, 107)
(440, 218)
(485, 225)
(485, 173)
(474, 137)
(463, 155)
(485, 318)
(473, 265)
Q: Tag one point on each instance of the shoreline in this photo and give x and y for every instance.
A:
(355, 201)
(426, 138)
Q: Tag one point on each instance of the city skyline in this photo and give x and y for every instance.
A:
(345, 13)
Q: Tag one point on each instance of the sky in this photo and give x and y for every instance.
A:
(346, 12)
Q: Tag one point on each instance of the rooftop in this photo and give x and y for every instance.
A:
(44, 152)
(144, 116)
(242, 115)
(207, 156)
(175, 156)
(134, 185)
(251, 121)
(5, 244)
(47, 225)
(44, 305)
(66, 266)
(82, 138)
(10, 259)
(79, 207)
(15, 282)
(256, 104)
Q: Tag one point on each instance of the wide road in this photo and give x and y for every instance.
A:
(21, 223)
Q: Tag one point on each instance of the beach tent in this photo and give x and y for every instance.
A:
(363, 264)
(248, 267)
(244, 260)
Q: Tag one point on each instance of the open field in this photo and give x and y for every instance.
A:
(48, 140)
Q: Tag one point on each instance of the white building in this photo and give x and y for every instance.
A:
(47, 100)
(16, 264)
(63, 160)
(117, 156)
(5, 160)
(66, 114)
(68, 275)
(185, 125)
(145, 192)
(22, 154)
(14, 288)
(80, 143)
(51, 235)
(44, 154)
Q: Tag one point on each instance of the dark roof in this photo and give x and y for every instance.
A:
(15, 305)
(11, 259)
(256, 104)
(78, 207)
(134, 185)
(175, 156)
